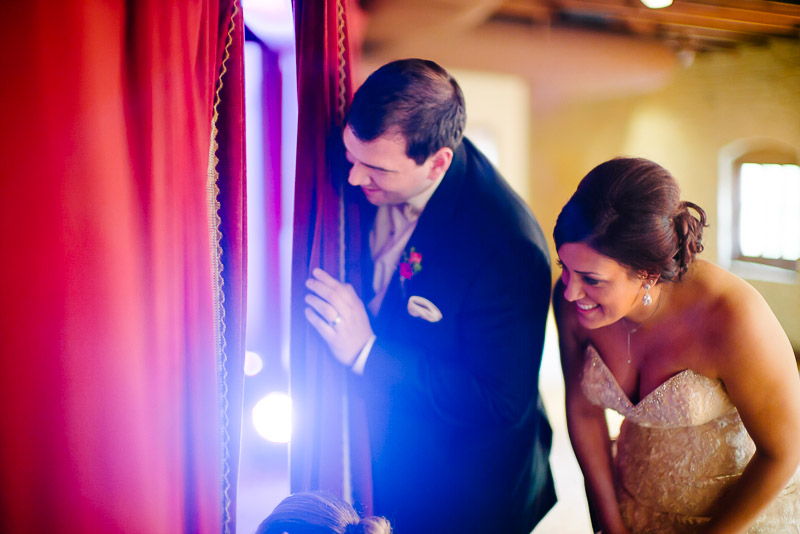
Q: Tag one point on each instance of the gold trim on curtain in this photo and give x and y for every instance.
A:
(347, 484)
(215, 237)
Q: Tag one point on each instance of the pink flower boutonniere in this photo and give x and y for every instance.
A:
(411, 264)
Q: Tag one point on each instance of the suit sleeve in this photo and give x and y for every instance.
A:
(490, 376)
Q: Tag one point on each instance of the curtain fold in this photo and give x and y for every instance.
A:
(326, 235)
(111, 389)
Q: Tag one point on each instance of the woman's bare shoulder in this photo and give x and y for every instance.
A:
(722, 295)
(730, 315)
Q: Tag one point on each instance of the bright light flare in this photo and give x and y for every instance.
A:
(252, 363)
(272, 417)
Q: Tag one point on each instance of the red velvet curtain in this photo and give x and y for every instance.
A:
(322, 448)
(119, 413)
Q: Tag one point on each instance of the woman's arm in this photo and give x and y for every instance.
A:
(586, 423)
(755, 361)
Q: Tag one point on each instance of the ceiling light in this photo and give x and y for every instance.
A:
(657, 4)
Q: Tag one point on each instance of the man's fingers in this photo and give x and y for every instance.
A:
(329, 300)
(323, 308)
(323, 290)
(324, 277)
(340, 296)
(324, 329)
(351, 290)
(330, 281)
(325, 287)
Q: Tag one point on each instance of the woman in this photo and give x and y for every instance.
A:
(691, 355)
(316, 512)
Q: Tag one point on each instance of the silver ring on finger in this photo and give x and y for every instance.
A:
(336, 321)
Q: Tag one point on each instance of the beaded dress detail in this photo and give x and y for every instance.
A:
(678, 449)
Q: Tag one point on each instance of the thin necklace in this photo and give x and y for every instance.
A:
(630, 331)
(634, 330)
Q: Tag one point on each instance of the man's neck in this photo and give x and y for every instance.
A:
(417, 203)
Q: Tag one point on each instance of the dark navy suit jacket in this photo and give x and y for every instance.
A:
(458, 435)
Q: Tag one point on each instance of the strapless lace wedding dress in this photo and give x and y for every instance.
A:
(678, 448)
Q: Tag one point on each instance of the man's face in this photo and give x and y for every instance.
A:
(384, 172)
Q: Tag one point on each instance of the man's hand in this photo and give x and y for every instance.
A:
(338, 315)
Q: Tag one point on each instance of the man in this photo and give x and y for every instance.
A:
(447, 350)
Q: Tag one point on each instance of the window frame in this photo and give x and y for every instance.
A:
(730, 159)
(761, 157)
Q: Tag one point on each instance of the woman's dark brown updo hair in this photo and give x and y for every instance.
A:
(629, 209)
(317, 512)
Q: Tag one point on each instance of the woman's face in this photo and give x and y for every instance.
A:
(602, 290)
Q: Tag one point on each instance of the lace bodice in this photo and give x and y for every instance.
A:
(678, 449)
(688, 398)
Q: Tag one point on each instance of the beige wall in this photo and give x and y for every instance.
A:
(505, 126)
(722, 97)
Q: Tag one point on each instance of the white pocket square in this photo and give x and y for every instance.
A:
(424, 309)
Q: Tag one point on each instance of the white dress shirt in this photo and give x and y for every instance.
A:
(393, 226)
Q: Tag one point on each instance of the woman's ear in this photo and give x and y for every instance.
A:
(440, 162)
(649, 278)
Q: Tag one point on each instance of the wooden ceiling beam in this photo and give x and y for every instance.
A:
(683, 12)
(709, 33)
(738, 13)
(752, 6)
(695, 25)
(526, 10)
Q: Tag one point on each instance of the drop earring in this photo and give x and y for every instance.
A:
(647, 300)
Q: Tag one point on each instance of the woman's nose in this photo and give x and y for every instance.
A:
(572, 289)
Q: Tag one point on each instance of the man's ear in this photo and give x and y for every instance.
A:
(440, 162)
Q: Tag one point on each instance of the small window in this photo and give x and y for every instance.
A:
(766, 210)
(758, 210)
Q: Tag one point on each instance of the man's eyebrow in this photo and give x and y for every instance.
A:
(377, 168)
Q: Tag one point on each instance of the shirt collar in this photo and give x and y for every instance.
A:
(414, 206)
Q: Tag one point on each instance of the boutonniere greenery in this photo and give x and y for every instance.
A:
(411, 265)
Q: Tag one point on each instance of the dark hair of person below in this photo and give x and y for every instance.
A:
(415, 98)
(629, 209)
(317, 512)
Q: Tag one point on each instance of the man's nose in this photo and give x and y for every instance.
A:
(358, 175)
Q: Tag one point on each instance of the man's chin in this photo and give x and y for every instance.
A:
(374, 197)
